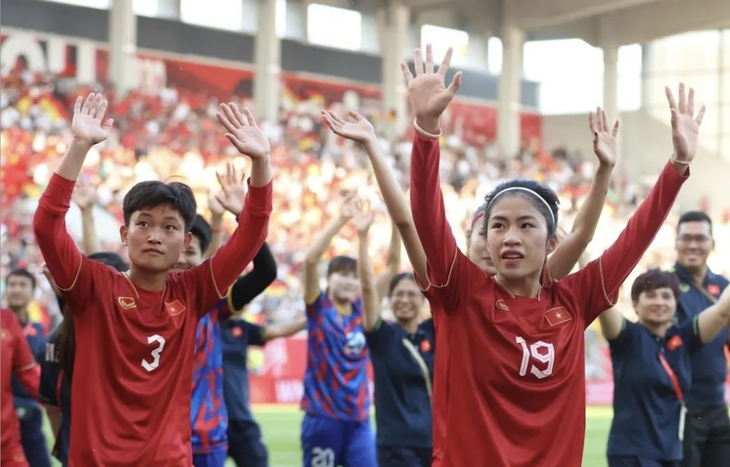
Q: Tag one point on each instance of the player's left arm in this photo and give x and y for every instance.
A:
(371, 306)
(220, 271)
(605, 146)
(254, 283)
(392, 264)
(24, 365)
(277, 330)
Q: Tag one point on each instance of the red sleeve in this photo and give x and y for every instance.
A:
(216, 275)
(450, 273)
(597, 285)
(24, 365)
(63, 258)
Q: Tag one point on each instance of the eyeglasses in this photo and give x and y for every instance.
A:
(701, 239)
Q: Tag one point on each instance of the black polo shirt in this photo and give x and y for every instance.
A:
(236, 336)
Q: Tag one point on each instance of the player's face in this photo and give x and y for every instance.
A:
(517, 238)
(191, 257)
(656, 306)
(344, 285)
(694, 244)
(155, 238)
(477, 251)
(19, 291)
(406, 300)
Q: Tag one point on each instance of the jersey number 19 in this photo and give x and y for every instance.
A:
(534, 351)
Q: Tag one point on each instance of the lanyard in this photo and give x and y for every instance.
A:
(672, 377)
(422, 363)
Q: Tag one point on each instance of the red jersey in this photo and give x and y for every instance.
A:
(131, 389)
(17, 359)
(513, 385)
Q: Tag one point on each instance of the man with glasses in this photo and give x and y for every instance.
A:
(707, 429)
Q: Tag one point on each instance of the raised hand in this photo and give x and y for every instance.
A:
(233, 190)
(84, 194)
(605, 140)
(427, 92)
(361, 130)
(88, 122)
(243, 132)
(215, 206)
(363, 215)
(347, 209)
(685, 125)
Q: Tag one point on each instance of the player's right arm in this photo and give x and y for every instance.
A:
(253, 283)
(612, 323)
(315, 252)
(25, 367)
(62, 257)
(371, 305)
(715, 318)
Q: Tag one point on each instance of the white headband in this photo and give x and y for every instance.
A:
(527, 190)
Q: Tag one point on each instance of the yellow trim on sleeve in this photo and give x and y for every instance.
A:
(78, 273)
(310, 300)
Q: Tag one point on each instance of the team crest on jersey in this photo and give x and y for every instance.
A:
(425, 345)
(5, 334)
(684, 288)
(502, 305)
(175, 308)
(237, 332)
(557, 315)
(713, 289)
(355, 343)
(127, 303)
(674, 343)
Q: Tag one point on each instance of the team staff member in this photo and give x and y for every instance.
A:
(21, 285)
(707, 435)
(652, 373)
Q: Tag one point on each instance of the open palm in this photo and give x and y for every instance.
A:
(363, 215)
(243, 132)
(427, 91)
(685, 125)
(605, 140)
(233, 190)
(88, 121)
(361, 130)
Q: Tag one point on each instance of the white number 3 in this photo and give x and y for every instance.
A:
(534, 351)
(155, 353)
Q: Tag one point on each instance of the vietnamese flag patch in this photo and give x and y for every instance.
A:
(175, 308)
(674, 342)
(713, 289)
(425, 345)
(557, 315)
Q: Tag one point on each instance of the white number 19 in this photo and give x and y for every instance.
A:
(534, 351)
(155, 353)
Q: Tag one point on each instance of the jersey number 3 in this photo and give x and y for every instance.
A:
(160, 341)
(541, 351)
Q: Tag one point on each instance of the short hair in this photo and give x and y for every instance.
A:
(342, 264)
(110, 259)
(202, 231)
(542, 197)
(694, 216)
(151, 194)
(22, 272)
(654, 279)
(397, 280)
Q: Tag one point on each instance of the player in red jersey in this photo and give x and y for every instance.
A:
(558, 265)
(17, 360)
(135, 331)
(515, 376)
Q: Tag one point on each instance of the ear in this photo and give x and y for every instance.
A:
(552, 243)
(123, 232)
(188, 240)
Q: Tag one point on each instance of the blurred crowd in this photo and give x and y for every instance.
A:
(174, 135)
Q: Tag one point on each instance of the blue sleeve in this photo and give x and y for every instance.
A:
(689, 332)
(50, 373)
(254, 332)
(378, 339)
(622, 343)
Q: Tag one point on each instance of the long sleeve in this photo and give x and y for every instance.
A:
(25, 367)
(444, 260)
(251, 285)
(601, 279)
(59, 250)
(231, 259)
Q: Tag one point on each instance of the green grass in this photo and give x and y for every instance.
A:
(280, 426)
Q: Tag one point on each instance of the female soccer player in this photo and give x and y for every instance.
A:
(515, 375)
(561, 262)
(652, 370)
(135, 332)
(17, 360)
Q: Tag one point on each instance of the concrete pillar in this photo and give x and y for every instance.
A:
(610, 81)
(508, 93)
(723, 95)
(647, 101)
(477, 52)
(394, 21)
(122, 45)
(168, 9)
(267, 58)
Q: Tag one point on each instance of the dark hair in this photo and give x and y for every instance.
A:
(532, 190)
(67, 330)
(694, 216)
(342, 264)
(397, 280)
(654, 279)
(202, 231)
(22, 272)
(151, 194)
